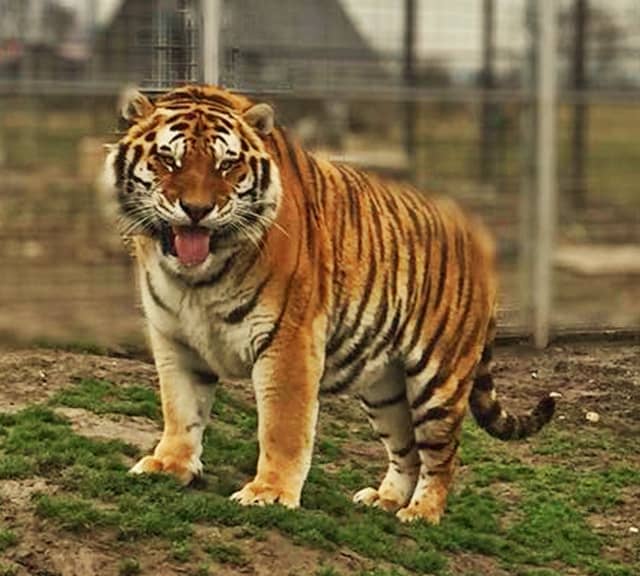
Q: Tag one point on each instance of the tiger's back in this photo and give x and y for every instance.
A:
(257, 259)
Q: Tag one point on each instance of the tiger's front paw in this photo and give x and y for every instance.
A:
(184, 470)
(258, 493)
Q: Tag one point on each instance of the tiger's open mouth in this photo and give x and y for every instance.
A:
(189, 244)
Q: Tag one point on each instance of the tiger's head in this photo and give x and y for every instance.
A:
(193, 172)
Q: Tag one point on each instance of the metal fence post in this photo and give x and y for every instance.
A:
(546, 194)
(211, 12)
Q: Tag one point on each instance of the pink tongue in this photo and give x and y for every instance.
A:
(192, 245)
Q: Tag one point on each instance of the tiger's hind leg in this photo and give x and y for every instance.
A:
(438, 402)
(385, 403)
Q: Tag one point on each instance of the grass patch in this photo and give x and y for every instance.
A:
(102, 397)
(8, 538)
(542, 530)
(129, 567)
(8, 570)
(224, 553)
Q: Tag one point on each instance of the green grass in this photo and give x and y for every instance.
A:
(129, 567)
(537, 527)
(103, 397)
(8, 538)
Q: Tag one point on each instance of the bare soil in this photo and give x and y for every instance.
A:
(601, 377)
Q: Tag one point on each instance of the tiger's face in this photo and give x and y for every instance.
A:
(193, 172)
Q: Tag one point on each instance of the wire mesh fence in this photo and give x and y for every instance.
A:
(442, 93)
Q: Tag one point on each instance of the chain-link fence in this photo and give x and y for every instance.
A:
(443, 93)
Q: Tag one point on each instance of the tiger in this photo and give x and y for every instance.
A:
(258, 260)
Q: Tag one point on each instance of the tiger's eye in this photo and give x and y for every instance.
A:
(169, 162)
(226, 165)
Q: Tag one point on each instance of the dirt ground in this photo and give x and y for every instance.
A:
(598, 377)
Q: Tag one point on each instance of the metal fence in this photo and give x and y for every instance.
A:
(472, 98)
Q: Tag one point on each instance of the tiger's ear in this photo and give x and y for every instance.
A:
(260, 117)
(134, 105)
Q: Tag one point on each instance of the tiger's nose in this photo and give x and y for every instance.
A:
(195, 211)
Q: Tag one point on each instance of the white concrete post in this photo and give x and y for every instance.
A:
(211, 12)
(546, 193)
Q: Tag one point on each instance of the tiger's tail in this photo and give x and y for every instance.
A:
(488, 411)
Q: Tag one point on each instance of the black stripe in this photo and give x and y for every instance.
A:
(428, 351)
(483, 383)
(488, 417)
(376, 404)
(320, 184)
(154, 296)
(119, 164)
(265, 176)
(364, 300)
(285, 301)
(344, 383)
(487, 354)
(334, 342)
(352, 200)
(206, 377)
(435, 446)
(427, 391)
(462, 263)
(414, 215)
(179, 127)
(238, 314)
(393, 224)
(291, 151)
(253, 258)
(447, 461)
(405, 450)
(377, 227)
(418, 326)
(437, 413)
(137, 154)
(385, 341)
(444, 256)
(365, 339)
(217, 275)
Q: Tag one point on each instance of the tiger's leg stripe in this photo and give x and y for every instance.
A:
(346, 381)
(405, 450)
(400, 396)
(205, 377)
(427, 390)
(436, 413)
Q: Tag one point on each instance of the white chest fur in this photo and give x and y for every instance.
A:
(195, 317)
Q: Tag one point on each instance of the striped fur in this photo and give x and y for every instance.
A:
(319, 277)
